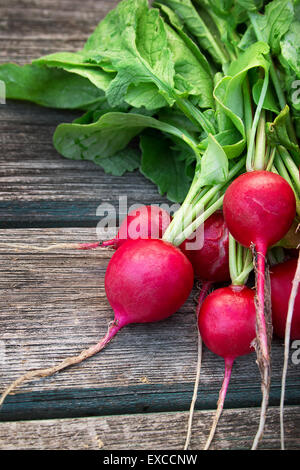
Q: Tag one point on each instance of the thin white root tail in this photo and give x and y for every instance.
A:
(287, 336)
(195, 393)
(203, 293)
(222, 396)
(57, 246)
(113, 328)
(263, 408)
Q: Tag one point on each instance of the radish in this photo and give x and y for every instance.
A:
(282, 276)
(285, 297)
(143, 222)
(227, 327)
(211, 264)
(259, 208)
(145, 281)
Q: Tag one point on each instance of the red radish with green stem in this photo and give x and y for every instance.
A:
(144, 222)
(285, 295)
(145, 281)
(259, 208)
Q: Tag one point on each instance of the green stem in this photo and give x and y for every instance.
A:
(260, 148)
(271, 159)
(274, 78)
(242, 277)
(239, 257)
(195, 115)
(248, 115)
(250, 164)
(282, 171)
(240, 262)
(197, 222)
(232, 259)
(182, 219)
(290, 165)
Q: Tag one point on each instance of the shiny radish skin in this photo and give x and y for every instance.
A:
(227, 326)
(282, 276)
(259, 207)
(227, 321)
(147, 281)
(211, 261)
(144, 222)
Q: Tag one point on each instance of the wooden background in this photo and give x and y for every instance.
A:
(136, 393)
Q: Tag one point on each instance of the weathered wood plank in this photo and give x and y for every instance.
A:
(155, 431)
(53, 305)
(60, 18)
(41, 188)
(38, 186)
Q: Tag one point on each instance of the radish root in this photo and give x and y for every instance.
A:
(203, 293)
(288, 325)
(222, 396)
(264, 333)
(57, 246)
(113, 328)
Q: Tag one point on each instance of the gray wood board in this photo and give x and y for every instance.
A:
(155, 431)
(53, 305)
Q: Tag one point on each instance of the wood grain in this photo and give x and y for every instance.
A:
(53, 305)
(57, 19)
(155, 431)
(38, 186)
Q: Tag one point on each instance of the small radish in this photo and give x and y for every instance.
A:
(259, 208)
(282, 276)
(227, 327)
(144, 222)
(285, 295)
(211, 264)
(145, 281)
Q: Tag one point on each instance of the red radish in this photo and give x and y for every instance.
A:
(145, 281)
(259, 208)
(227, 327)
(144, 222)
(211, 262)
(285, 278)
(282, 276)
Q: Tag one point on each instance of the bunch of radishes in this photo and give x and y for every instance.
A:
(242, 149)
(148, 279)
